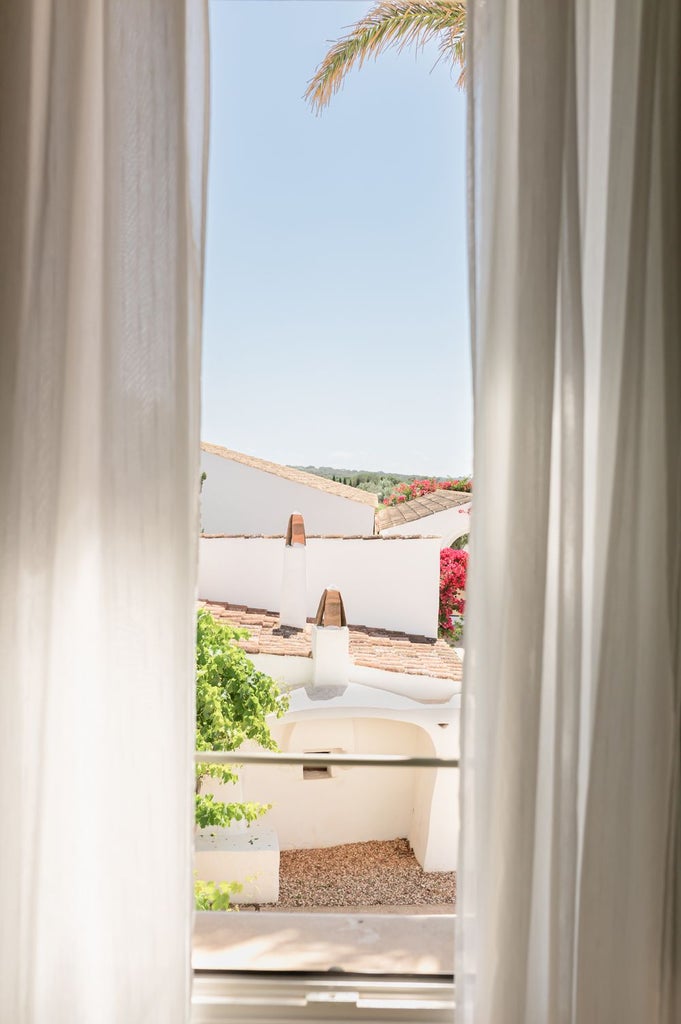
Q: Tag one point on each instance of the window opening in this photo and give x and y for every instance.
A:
(372, 689)
(317, 771)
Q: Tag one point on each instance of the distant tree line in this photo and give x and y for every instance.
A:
(376, 482)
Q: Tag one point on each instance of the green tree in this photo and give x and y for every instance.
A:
(391, 23)
(233, 700)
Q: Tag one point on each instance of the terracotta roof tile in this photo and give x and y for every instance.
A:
(419, 508)
(374, 648)
(298, 476)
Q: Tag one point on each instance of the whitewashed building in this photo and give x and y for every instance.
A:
(355, 688)
(386, 582)
(242, 494)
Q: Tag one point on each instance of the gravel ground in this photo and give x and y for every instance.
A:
(360, 874)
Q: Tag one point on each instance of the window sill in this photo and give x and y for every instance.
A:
(375, 944)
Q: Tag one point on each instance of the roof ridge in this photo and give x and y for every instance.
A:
(300, 476)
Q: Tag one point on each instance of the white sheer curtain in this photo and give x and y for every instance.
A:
(101, 229)
(569, 903)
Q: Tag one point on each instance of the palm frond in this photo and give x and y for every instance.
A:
(453, 51)
(390, 23)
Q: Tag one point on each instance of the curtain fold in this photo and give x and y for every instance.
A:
(568, 890)
(102, 182)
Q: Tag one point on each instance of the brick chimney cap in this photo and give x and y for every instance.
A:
(331, 611)
(295, 531)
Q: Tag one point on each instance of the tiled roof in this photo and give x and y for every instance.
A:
(418, 508)
(373, 648)
(298, 476)
(404, 652)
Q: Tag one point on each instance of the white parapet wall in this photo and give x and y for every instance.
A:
(387, 583)
(249, 857)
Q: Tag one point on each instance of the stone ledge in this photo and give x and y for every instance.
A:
(362, 943)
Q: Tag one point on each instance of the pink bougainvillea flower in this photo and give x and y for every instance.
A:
(453, 569)
(417, 488)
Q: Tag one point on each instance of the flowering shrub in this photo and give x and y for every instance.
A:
(453, 568)
(405, 492)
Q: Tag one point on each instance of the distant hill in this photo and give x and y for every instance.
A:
(375, 481)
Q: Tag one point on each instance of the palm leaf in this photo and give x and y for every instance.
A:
(390, 23)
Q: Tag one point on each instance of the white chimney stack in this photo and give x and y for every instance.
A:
(331, 641)
(293, 604)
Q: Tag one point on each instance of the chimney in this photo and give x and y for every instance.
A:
(293, 604)
(331, 642)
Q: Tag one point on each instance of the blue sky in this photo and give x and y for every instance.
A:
(336, 307)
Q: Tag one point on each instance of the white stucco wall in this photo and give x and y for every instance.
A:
(435, 837)
(240, 499)
(361, 804)
(289, 670)
(292, 671)
(448, 525)
(390, 584)
(419, 688)
(352, 804)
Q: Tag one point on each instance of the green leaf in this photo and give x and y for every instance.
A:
(233, 702)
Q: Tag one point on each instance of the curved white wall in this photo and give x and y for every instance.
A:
(361, 804)
(241, 499)
(351, 805)
(294, 671)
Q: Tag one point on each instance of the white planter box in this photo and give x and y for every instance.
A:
(250, 857)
